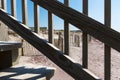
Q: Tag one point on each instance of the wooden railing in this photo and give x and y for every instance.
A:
(89, 26)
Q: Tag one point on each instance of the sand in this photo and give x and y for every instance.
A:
(95, 61)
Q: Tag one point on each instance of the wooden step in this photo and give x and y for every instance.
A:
(9, 53)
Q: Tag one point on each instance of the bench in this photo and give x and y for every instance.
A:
(9, 54)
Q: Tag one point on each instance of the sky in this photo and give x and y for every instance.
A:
(96, 11)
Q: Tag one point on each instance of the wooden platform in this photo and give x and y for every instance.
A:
(27, 71)
(9, 53)
(6, 46)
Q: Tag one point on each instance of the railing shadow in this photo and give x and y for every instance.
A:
(23, 73)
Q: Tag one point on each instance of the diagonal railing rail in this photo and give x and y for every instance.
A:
(83, 22)
(63, 61)
(88, 25)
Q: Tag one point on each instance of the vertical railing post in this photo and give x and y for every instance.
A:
(50, 27)
(85, 39)
(13, 8)
(36, 18)
(66, 33)
(24, 18)
(24, 12)
(107, 57)
(3, 4)
(0, 4)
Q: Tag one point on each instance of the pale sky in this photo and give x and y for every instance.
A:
(96, 11)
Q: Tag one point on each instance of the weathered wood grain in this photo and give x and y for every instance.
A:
(63, 61)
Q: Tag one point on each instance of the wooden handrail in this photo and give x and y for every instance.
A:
(63, 61)
(102, 32)
(108, 36)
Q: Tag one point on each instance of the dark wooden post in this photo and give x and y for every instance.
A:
(85, 38)
(107, 58)
(50, 27)
(66, 33)
(36, 18)
(13, 8)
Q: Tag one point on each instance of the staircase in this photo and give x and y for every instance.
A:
(110, 37)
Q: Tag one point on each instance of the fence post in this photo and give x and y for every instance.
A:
(24, 19)
(3, 5)
(60, 41)
(50, 27)
(107, 51)
(13, 8)
(66, 33)
(85, 39)
(24, 12)
(36, 18)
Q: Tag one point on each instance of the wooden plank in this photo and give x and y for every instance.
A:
(85, 39)
(91, 26)
(50, 27)
(6, 46)
(63, 61)
(13, 8)
(12, 49)
(36, 18)
(24, 12)
(66, 33)
(107, 51)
